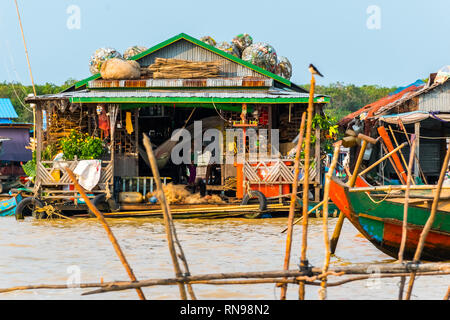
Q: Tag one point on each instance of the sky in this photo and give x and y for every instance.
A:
(386, 43)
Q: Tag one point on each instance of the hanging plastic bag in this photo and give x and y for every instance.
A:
(262, 55)
(228, 48)
(242, 41)
(284, 68)
(209, 40)
(132, 51)
(100, 56)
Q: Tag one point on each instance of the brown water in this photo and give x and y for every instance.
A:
(37, 252)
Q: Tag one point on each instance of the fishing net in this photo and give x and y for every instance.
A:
(242, 41)
(228, 48)
(178, 194)
(284, 68)
(262, 55)
(100, 56)
(209, 40)
(132, 51)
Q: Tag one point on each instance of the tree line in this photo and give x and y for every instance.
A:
(345, 98)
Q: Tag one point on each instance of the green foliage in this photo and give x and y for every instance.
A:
(18, 92)
(30, 167)
(346, 99)
(82, 146)
(328, 130)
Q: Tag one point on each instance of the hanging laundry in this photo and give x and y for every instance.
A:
(129, 123)
(103, 121)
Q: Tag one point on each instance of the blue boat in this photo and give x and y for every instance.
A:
(8, 206)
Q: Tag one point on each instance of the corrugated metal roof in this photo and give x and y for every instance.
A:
(7, 110)
(272, 93)
(178, 83)
(437, 99)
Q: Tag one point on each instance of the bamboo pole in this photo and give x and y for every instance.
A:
(396, 188)
(165, 208)
(401, 153)
(384, 269)
(29, 67)
(427, 227)
(163, 282)
(337, 147)
(405, 217)
(373, 165)
(309, 212)
(290, 225)
(392, 163)
(417, 159)
(303, 260)
(111, 236)
(352, 180)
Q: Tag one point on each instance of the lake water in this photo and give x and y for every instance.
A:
(48, 252)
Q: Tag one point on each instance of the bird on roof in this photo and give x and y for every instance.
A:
(314, 70)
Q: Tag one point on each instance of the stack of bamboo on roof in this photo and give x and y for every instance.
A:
(184, 69)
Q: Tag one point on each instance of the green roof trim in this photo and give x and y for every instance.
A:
(203, 45)
(219, 106)
(200, 100)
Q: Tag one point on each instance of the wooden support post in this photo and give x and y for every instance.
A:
(426, 229)
(111, 236)
(405, 216)
(303, 260)
(337, 147)
(290, 226)
(351, 183)
(166, 214)
(39, 137)
(317, 160)
(417, 161)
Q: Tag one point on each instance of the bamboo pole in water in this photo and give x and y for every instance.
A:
(111, 236)
(303, 260)
(162, 282)
(290, 225)
(168, 226)
(384, 269)
(405, 216)
(447, 295)
(337, 147)
(301, 218)
(351, 182)
(427, 227)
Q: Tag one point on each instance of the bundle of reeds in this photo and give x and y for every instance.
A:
(184, 69)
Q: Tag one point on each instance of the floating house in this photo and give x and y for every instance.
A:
(15, 136)
(242, 95)
(421, 109)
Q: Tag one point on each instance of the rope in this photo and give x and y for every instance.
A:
(219, 112)
(423, 137)
(50, 210)
(384, 198)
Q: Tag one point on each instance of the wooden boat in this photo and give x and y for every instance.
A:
(8, 204)
(379, 218)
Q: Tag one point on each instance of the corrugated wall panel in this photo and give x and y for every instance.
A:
(437, 99)
(186, 50)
